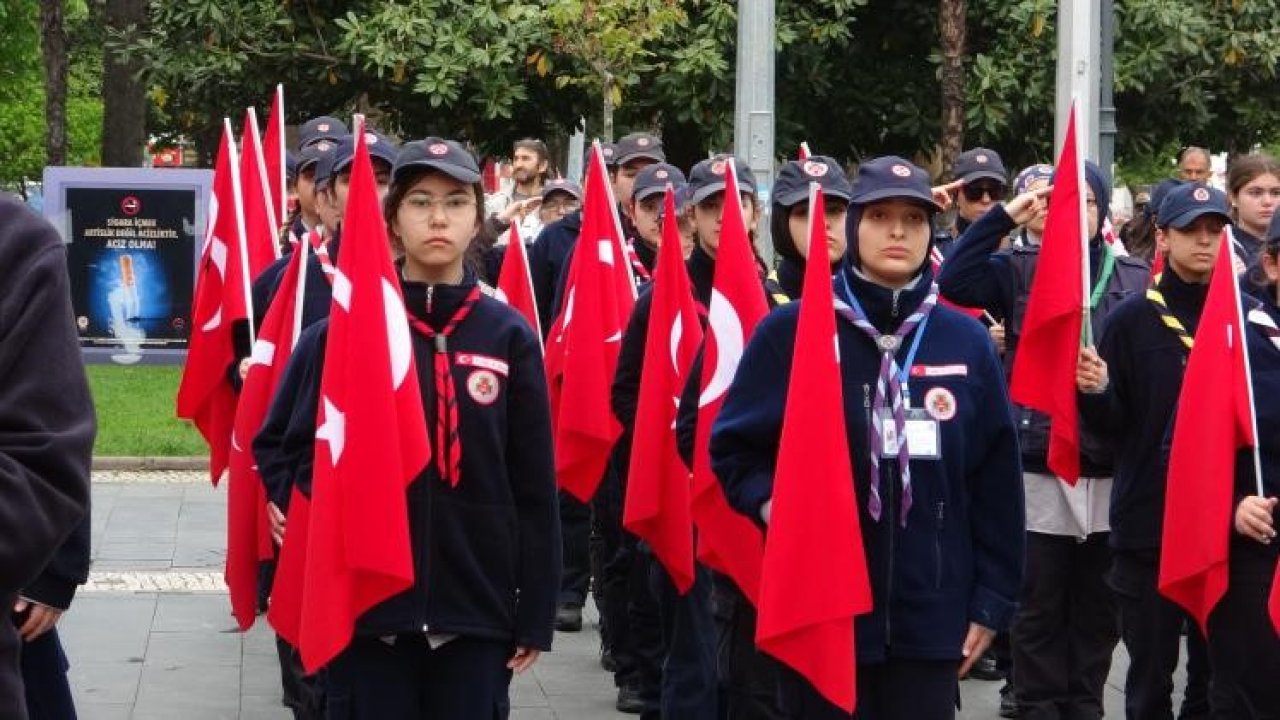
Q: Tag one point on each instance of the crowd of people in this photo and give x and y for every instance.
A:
(983, 563)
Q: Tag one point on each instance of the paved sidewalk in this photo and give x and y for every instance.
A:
(151, 637)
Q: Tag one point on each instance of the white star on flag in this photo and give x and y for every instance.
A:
(333, 430)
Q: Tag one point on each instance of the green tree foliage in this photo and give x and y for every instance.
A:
(855, 77)
(22, 149)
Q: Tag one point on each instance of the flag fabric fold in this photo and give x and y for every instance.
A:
(728, 542)
(205, 395)
(273, 153)
(248, 529)
(658, 482)
(1214, 420)
(582, 350)
(515, 283)
(371, 437)
(1044, 369)
(814, 580)
(261, 226)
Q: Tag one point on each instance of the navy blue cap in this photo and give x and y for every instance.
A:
(638, 146)
(1189, 201)
(707, 178)
(447, 156)
(792, 185)
(290, 165)
(321, 128)
(324, 163)
(1159, 193)
(654, 180)
(1273, 231)
(891, 177)
(1032, 174)
(610, 151)
(980, 163)
(380, 148)
(312, 153)
(562, 185)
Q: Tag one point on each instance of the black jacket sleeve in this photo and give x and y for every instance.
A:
(975, 274)
(285, 446)
(531, 467)
(69, 568)
(47, 422)
(625, 394)
(687, 412)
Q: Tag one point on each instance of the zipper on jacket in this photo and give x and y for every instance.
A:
(430, 292)
(889, 518)
(893, 311)
(429, 493)
(940, 513)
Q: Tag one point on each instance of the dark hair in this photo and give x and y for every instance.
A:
(1244, 169)
(784, 246)
(539, 148)
(483, 239)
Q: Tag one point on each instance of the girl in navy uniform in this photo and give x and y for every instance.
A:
(789, 218)
(1253, 186)
(485, 532)
(942, 522)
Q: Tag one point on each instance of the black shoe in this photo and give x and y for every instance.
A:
(607, 662)
(985, 669)
(629, 700)
(1009, 705)
(569, 618)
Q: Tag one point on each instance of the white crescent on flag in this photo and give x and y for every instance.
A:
(726, 327)
(399, 344)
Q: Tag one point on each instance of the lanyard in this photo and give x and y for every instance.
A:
(1108, 268)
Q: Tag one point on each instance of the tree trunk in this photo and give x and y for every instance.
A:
(606, 112)
(53, 46)
(124, 100)
(951, 31)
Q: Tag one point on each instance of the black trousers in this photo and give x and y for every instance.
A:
(1066, 629)
(690, 688)
(896, 689)
(1151, 627)
(44, 677)
(752, 684)
(644, 615)
(464, 679)
(575, 533)
(303, 694)
(1244, 648)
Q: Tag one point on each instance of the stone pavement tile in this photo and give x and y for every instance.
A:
(202, 492)
(193, 613)
(108, 628)
(586, 707)
(260, 675)
(143, 518)
(519, 713)
(526, 691)
(200, 550)
(191, 692)
(102, 711)
(260, 639)
(179, 649)
(263, 707)
(202, 517)
(104, 683)
(159, 553)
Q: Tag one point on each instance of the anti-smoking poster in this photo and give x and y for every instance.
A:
(130, 260)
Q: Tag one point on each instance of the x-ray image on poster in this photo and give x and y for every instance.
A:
(130, 259)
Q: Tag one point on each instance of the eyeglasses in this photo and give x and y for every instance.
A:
(975, 191)
(560, 206)
(455, 206)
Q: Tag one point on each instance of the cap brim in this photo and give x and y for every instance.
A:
(800, 194)
(1187, 217)
(461, 174)
(561, 191)
(642, 155)
(707, 191)
(985, 175)
(648, 192)
(897, 193)
(305, 163)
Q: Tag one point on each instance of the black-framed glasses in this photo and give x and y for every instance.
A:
(973, 192)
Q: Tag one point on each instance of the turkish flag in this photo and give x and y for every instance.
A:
(259, 217)
(1044, 369)
(814, 579)
(1273, 605)
(658, 484)
(205, 396)
(1214, 420)
(803, 154)
(285, 612)
(583, 347)
(371, 439)
(273, 153)
(727, 541)
(515, 284)
(248, 528)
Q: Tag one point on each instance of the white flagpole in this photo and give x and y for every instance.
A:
(272, 223)
(238, 201)
(283, 179)
(304, 247)
(1248, 366)
(1084, 223)
(597, 155)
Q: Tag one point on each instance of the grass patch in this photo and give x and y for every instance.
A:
(135, 412)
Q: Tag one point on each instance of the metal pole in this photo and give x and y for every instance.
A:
(1106, 101)
(753, 116)
(1077, 75)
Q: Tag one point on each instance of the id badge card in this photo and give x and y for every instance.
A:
(921, 434)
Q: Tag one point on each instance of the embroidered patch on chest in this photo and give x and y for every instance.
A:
(940, 404)
(482, 385)
(482, 361)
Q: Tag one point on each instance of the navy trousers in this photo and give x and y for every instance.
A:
(44, 676)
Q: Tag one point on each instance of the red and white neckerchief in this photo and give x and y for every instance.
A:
(448, 443)
(641, 272)
(320, 245)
